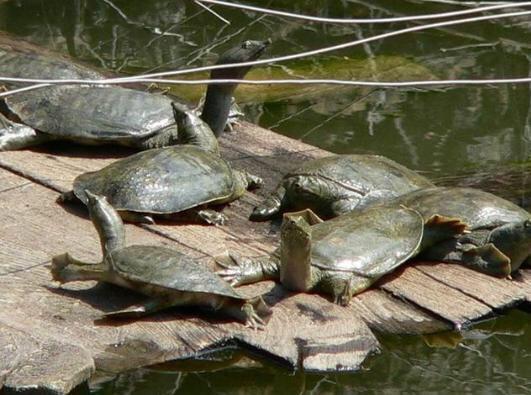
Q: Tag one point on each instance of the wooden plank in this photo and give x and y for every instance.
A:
(451, 304)
(58, 165)
(387, 314)
(494, 292)
(35, 228)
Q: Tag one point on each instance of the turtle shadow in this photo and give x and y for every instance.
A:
(108, 298)
(75, 208)
(72, 150)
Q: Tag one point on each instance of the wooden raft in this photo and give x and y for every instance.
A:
(51, 339)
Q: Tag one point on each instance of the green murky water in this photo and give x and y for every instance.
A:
(469, 135)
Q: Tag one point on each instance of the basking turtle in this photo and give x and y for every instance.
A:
(169, 180)
(500, 238)
(345, 255)
(167, 276)
(113, 114)
(339, 184)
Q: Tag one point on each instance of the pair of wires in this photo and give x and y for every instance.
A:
(161, 77)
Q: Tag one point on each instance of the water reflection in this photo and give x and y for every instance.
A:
(492, 358)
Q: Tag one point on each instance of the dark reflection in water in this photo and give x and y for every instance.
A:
(458, 135)
(493, 358)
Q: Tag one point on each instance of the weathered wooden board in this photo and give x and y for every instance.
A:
(305, 330)
(58, 341)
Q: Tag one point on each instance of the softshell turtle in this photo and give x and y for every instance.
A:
(339, 184)
(167, 276)
(169, 180)
(500, 238)
(113, 114)
(345, 255)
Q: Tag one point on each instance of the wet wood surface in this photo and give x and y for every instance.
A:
(52, 339)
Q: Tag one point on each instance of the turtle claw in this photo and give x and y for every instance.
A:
(253, 320)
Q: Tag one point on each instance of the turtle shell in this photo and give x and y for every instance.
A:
(370, 244)
(479, 209)
(17, 61)
(167, 268)
(160, 181)
(364, 173)
(100, 114)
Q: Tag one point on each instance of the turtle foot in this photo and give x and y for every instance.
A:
(67, 197)
(238, 270)
(252, 319)
(212, 217)
(263, 213)
(344, 297)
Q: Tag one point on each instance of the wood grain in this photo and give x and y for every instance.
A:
(40, 322)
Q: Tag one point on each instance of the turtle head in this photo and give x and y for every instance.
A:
(308, 190)
(107, 222)
(247, 51)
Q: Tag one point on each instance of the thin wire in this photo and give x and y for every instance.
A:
(380, 84)
(148, 77)
(358, 20)
(212, 12)
(331, 48)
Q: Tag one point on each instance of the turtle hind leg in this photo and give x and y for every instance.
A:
(142, 309)
(65, 268)
(132, 216)
(487, 259)
(15, 136)
(343, 289)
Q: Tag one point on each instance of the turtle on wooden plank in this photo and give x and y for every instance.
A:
(499, 241)
(345, 255)
(169, 180)
(112, 114)
(168, 277)
(338, 184)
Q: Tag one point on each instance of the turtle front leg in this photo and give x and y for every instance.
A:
(344, 206)
(164, 138)
(238, 270)
(211, 217)
(344, 286)
(273, 205)
(15, 136)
